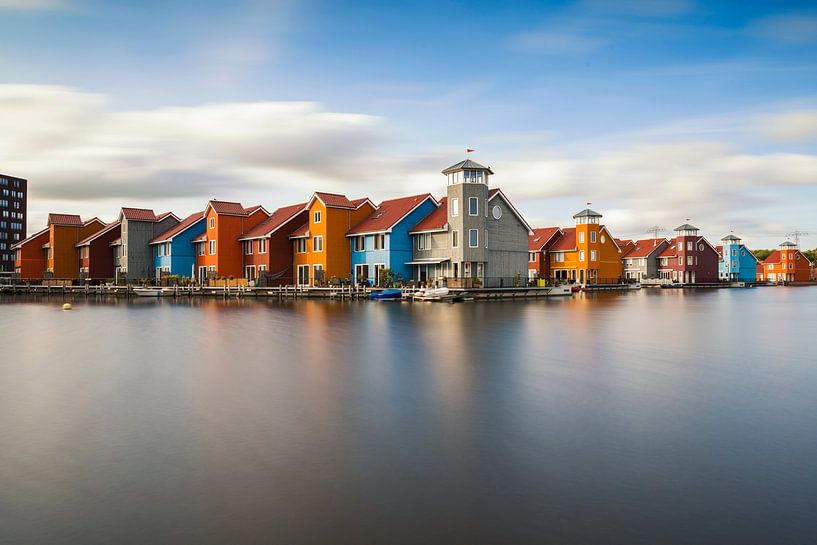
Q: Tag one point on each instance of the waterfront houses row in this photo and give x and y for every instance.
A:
(472, 237)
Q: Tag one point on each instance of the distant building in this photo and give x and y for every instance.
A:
(96, 254)
(788, 264)
(174, 252)
(382, 241)
(268, 257)
(474, 237)
(13, 199)
(641, 260)
(139, 226)
(737, 263)
(689, 258)
(586, 253)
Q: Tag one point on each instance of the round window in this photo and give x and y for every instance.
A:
(701, 247)
(603, 240)
(496, 212)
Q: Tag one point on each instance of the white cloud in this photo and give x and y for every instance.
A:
(794, 125)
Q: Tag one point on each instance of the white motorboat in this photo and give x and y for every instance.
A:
(153, 292)
(430, 294)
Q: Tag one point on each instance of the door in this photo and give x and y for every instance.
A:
(202, 275)
(377, 275)
(249, 272)
(361, 274)
(303, 275)
(158, 274)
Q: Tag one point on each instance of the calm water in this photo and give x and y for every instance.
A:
(652, 417)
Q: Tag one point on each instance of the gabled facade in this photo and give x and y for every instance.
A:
(268, 250)
(96, 255)
(139, 226)
(475, 237)
(641, 260)
(30, 258)
(382, 241)
(65, 231)
(321, 249)
(587, 253)
(787, 264)
(174, 252)
(219, 252)
(538, 245)
(689, 258)
(737, 263)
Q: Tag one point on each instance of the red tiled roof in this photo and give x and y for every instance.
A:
(334, 200)
(185, 224)
(388, 213)
(540, 237)
(669, 251)
(139, 214)
(566, 242)
(30, 239)
(253, 209)
(358, 202)
(163, 215)
(200, 238)
(773, 257)
(65, 219)
(108, 228)
(644, 247)
(719, 249)
(275, 221)
(229, 208)
(300, 232)
(436, 220)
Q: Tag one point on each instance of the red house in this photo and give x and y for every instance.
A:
(689, 258)
(268, 249)
(96, 254)
(538, 245)
(30, 259)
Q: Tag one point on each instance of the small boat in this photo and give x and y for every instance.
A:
(153, 292)
(672, 286)
(430, 294)
(391, 294)
(636, 286)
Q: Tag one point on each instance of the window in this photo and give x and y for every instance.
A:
(212, 223)
(734, 264)
(360, 243)
(455, 239)
(593, 256)
(160, 250)
(496, 212)
(379, 241)
(248, 247)
(317, 216)
(262, 246)
(592, 236)
(473, 238)
(300, 245)
(559, 257)
(771, 267)
(734, 252)
(212, 247)
(424, 242)
(317, 273)
(581, 255)
(680, 260)
(531, 256)
(689, 246)
(700, 247)
(689, 260)
(317, 244)
(473, 206)
(261, 269)
(201, 248)
(581, 237)
(455, 207)
(603, 240)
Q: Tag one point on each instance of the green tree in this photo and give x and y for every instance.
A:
(811, 255)
(761, 254)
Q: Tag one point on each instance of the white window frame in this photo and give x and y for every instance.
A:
(594, 255)
(317, 243)
(455, 239)
(381, 238)
(475, 202)
(262, 245)
(455, 207)
(212, 247)
(592, 236)
(300, 245)
(316, 216)
(473, 243)
(212, 223)
(581, 237)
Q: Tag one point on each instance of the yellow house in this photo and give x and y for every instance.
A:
(587, 253)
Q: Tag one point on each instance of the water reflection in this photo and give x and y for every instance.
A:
(662, 416)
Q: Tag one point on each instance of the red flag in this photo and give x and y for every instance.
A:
(468, 150)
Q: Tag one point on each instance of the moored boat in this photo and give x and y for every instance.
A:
(153, 292)
(390, 294)
(430, 294)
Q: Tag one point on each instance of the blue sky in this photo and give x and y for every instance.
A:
(655, 111)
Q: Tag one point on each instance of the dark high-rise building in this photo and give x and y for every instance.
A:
(13, 198)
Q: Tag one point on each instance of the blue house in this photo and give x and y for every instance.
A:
(382, 240)
(737, 263)
(174, 252)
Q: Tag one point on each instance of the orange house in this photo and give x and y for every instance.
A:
(30, 259)
(219, 252)
(587, 253)
(788, 264)
(321, 248)
(65, 231)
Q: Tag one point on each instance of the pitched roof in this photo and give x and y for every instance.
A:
(497, 191)
(773, 257)
(278, 218)
(566, 242)
(107, 229)
(138, 214)
(332, 200)
(645, 247)
(228, 208)
(117, 242)
(184, 225)
(669, 251)
(389, 213)
(586, 213)
(686, 227)
(65, 219)
(540, 238)
(788, 244)
(731, 237)
(29, 239)
(300, 232)
(361, 201)
(437, 220)
(200, 238)
(468, 164)
(623, 241)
